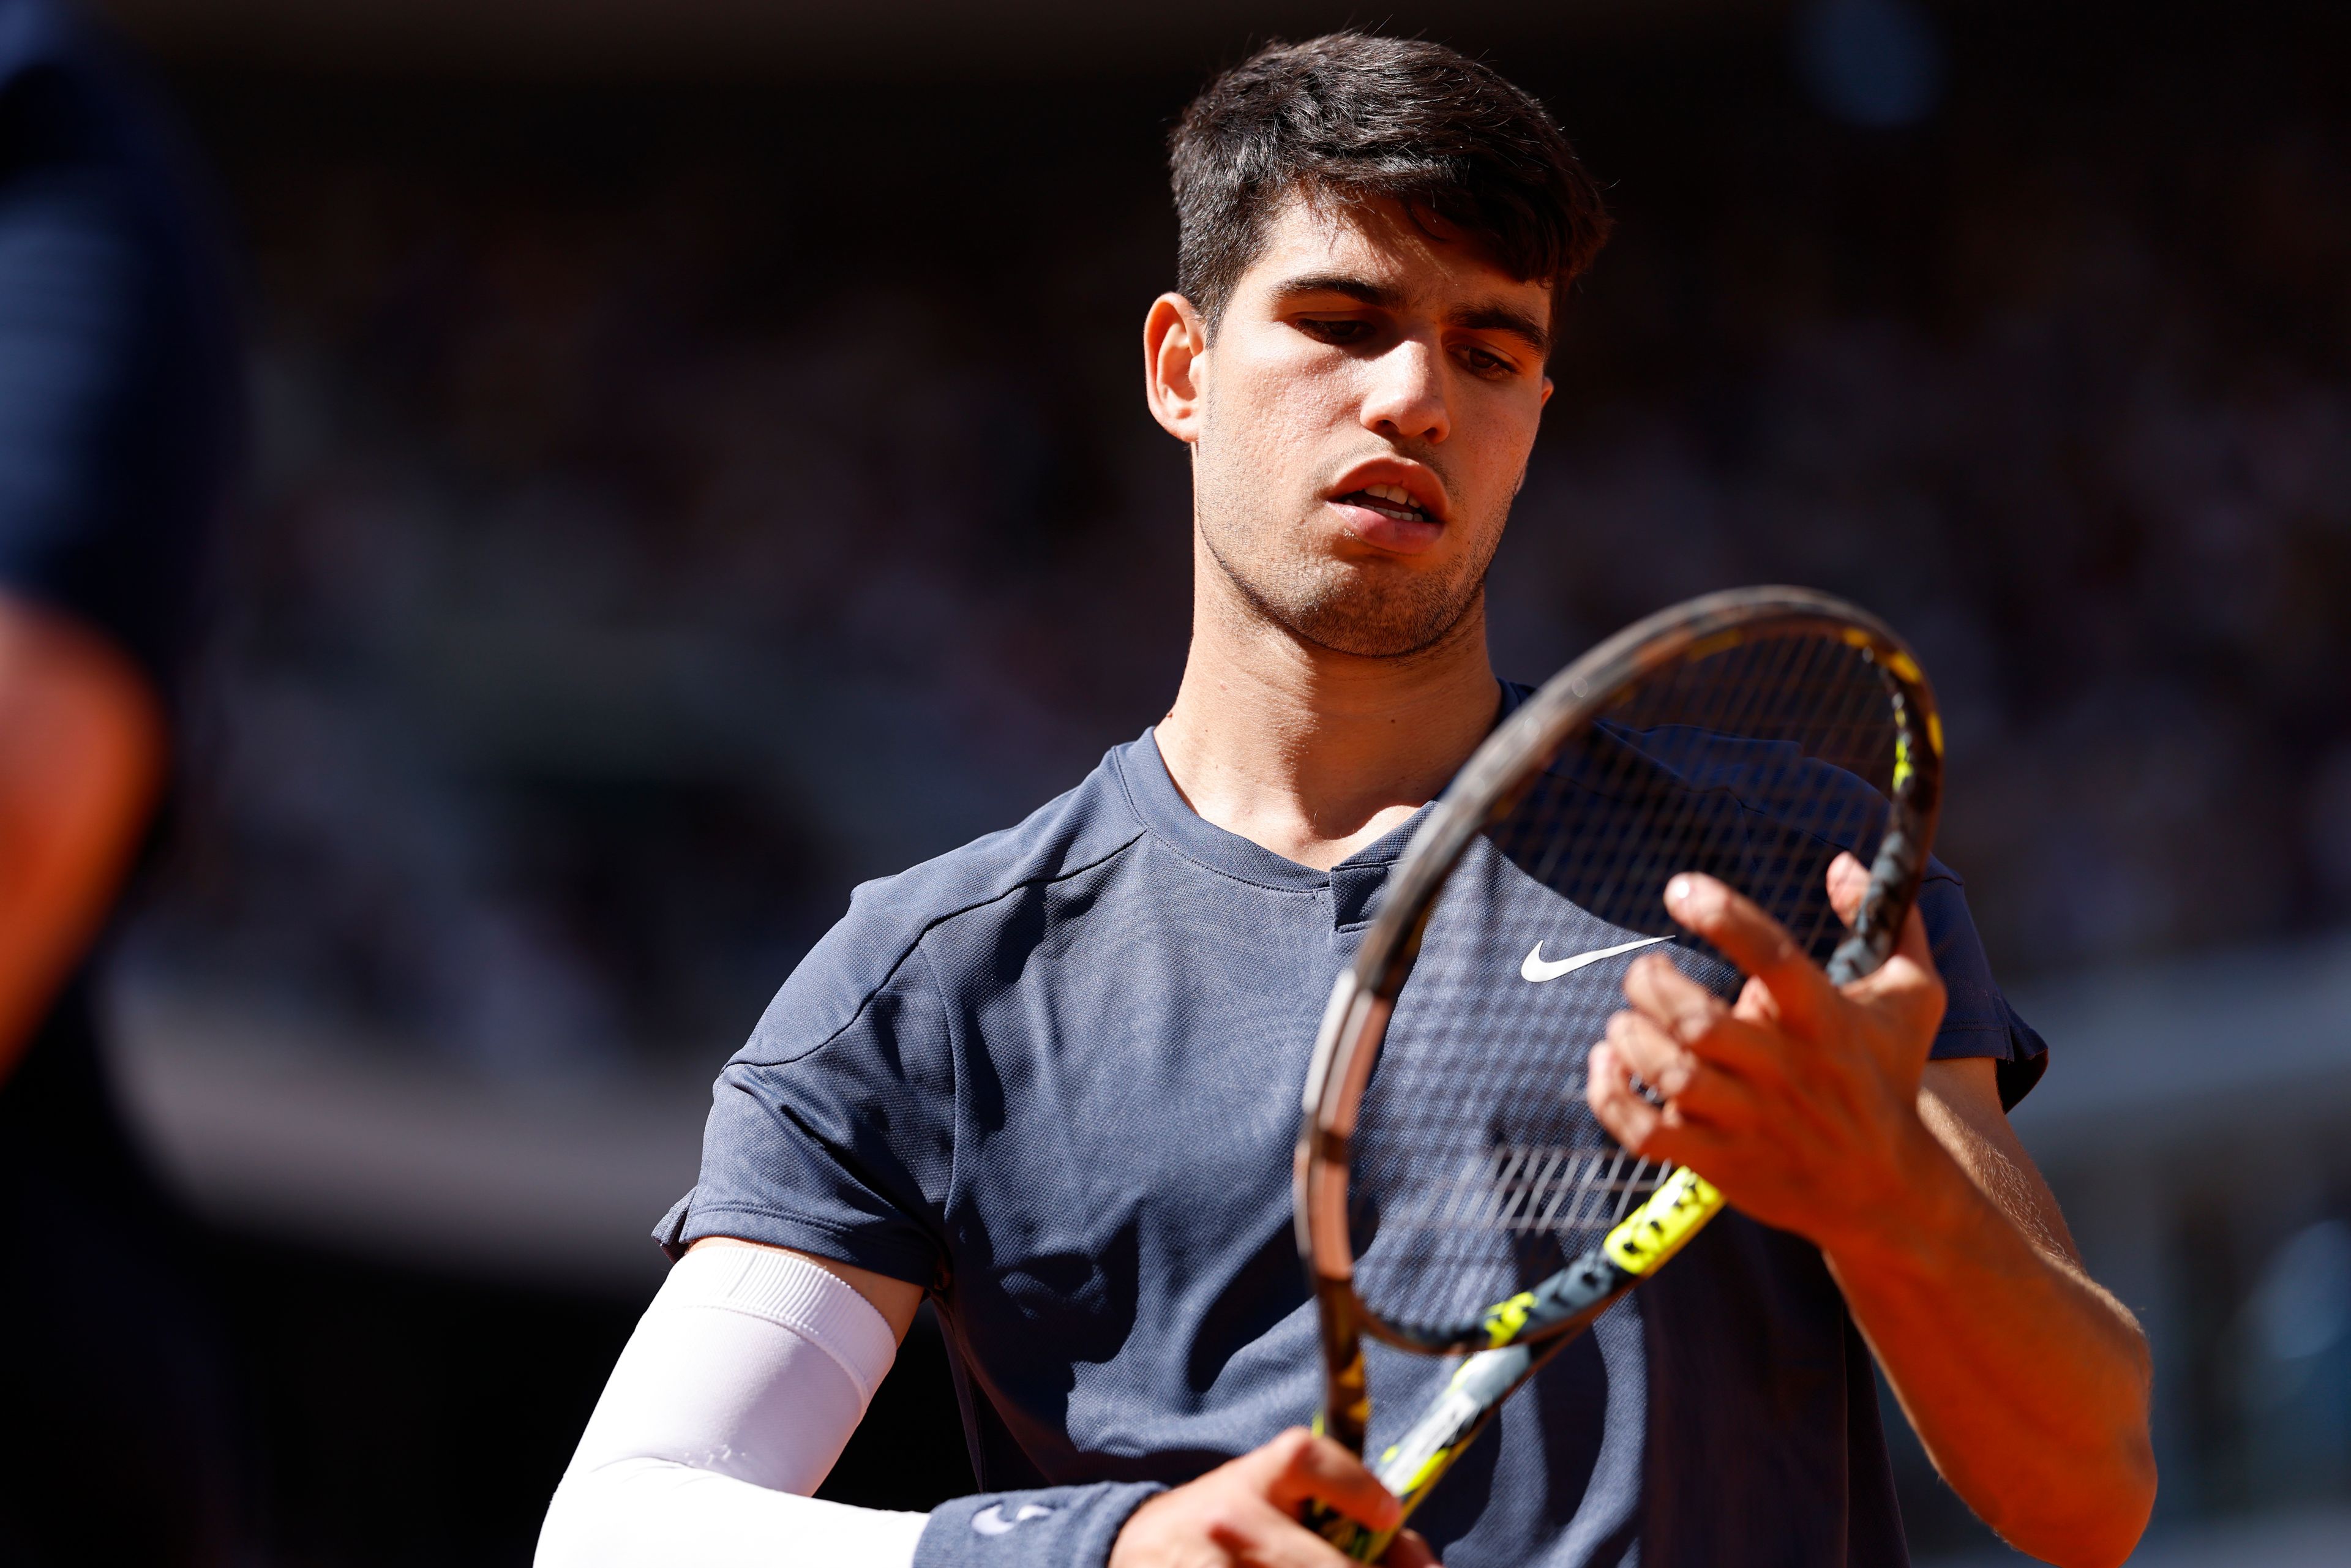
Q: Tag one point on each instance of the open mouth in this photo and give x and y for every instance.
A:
(1388, 500)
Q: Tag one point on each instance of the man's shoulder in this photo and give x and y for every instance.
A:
(868, 949)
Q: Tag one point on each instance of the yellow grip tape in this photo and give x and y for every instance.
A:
(1505, 1319)
(1656, 1231)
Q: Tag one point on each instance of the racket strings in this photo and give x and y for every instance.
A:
(1541, 1188)
(1477, 1167)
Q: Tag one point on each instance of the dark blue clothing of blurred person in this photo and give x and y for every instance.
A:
(117, 413)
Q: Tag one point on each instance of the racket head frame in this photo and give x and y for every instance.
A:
(1355, 1022)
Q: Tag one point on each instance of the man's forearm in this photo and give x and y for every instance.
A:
(2027, 1382)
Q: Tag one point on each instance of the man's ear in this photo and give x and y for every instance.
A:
(1175, 344)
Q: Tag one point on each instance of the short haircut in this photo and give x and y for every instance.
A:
(1351, 116)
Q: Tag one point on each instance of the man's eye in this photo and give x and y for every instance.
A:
(1342, 331)
(1488, 364)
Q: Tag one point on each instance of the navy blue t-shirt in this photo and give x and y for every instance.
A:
(1054, 1078)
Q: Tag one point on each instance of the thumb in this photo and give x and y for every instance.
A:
(1908, 982)
(1848, 882)
(1848, 885)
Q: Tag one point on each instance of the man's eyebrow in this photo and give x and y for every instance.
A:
(1498, 317)
(1362, 290)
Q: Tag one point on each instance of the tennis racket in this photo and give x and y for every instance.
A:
(1455, 1193)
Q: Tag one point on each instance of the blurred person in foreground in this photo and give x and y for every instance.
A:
(117, 417)
(1050, 1081)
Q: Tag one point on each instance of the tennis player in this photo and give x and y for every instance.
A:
(1050, 1081)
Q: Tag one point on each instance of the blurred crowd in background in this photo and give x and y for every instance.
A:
(673, 506)
(675, 495)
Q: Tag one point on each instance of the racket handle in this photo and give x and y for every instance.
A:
(1342, 1533)
(1639, 1245)
(1418, 1460)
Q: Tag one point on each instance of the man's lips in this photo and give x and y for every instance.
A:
(1396, 526)
(1392, 500)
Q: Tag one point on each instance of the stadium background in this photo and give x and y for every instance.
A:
(698, 467)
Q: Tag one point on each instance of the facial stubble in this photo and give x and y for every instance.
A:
(1373, 607)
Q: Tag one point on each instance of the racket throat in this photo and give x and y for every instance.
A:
(1416, 1461)
(1346, 1390)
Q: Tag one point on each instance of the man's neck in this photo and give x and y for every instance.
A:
(1315, 754)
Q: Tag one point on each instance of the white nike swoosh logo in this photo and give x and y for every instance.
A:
(990, 1521)
(1539, 970)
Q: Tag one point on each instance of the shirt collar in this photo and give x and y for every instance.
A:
(1167, 813)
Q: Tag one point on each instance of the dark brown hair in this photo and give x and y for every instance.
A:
(1352, 116)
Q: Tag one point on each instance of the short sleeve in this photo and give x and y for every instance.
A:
(832, 1134)
(1978, 1020)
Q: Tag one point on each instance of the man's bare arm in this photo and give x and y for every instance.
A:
(81, 761)
(1811, 1107)
(2027, 1381)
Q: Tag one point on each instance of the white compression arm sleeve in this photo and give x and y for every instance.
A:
(730, 1403)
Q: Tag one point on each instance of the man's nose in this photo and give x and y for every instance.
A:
(1406, 400)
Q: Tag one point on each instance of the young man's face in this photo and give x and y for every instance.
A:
(1360, 422)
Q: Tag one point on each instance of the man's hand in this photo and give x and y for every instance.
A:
(1815, 1110)
(1244, 1514)
(1799, 1101)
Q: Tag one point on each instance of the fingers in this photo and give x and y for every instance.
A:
(1298, 1467)
(1907, 988)
(1848, 884)
(1648, 1130)
(1752, 940)
(1247, 1511)
(1692, 1021)
(1797, 989)
(1629, 1117)
(1632, 1118)
(1907, 982)
(1651, 1049)
(1268, 1537)
(1657, 987)
(1410, 1550)
(1704, 1078)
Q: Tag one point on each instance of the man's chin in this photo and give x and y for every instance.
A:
(1376, 626)
(1368, 607)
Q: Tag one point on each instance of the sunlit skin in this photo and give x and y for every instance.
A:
(1816, 1110)
(1360, 351)
(1338, 678)
(1338, 670)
